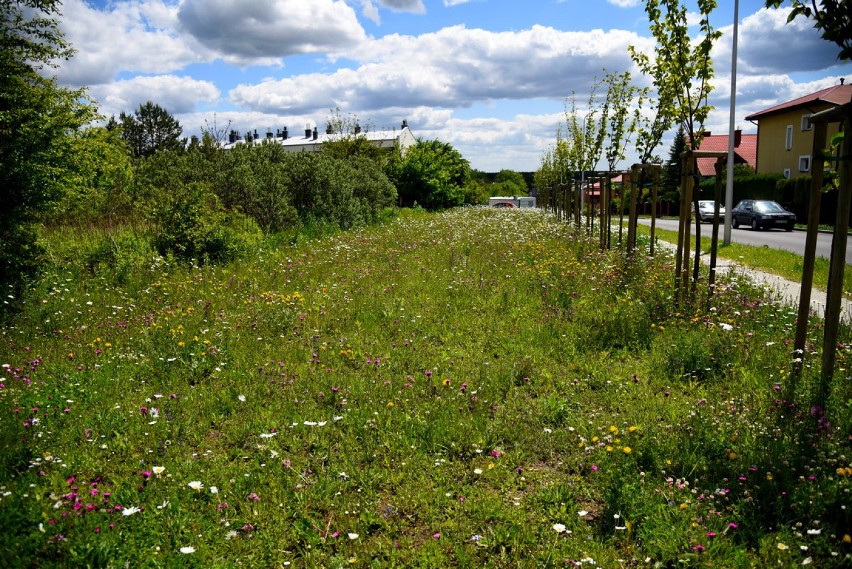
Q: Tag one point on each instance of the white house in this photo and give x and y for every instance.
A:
(311, 140)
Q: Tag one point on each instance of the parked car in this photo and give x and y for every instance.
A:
(705, 210)
(762, 214)
(504, 205)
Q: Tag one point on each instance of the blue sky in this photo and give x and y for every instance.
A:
(491, 77)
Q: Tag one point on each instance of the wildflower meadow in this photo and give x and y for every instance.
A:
(474, 388)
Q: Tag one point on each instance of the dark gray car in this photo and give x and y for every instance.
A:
(762, 214)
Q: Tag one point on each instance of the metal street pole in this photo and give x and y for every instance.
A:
(729, 187)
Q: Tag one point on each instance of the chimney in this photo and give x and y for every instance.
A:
(256, 136)
(307, 130)
(315, 133)
(284, 133)
(404, 123)
(232, 136)
(738, 137)
(357, 129)
(328, 129)
(268, 134)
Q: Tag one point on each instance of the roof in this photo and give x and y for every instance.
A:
(834, 95)
(744, 153)
(313, 140)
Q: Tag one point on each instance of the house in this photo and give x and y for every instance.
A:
(745, 151)
(785, 133)
(312, 140)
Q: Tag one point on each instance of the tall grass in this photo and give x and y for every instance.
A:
(475, 388)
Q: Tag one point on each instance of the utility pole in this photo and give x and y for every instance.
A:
(729, 186)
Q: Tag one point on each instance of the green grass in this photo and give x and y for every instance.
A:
(783, 263)
(475, 388)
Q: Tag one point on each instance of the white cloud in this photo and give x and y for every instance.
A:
(450, 68)
(414, 6)
(175, 94)
(251, 32)
(768, 44)
(137, 36)
(624, 3)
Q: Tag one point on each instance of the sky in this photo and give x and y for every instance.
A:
(490, 77)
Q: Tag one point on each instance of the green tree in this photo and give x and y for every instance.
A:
(100, 179)
(38, 122)
(832, 17)
(432, 174)
(580, 149)
(622, 123)
(150, 129)
(509, 183)
(681, 72)
(672, 168)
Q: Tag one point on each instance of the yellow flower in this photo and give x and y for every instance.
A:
(732, 455)
(391, 404)
(594, 439)
(632, 428)
(613, 429)
(627, 450)
(847, 538)
(608, 448)
(181, 344)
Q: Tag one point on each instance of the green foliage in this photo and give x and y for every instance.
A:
(432, 174)
(99, 186)
(681, 70)
(672, 169)
(254, 179)
(509, 183)
(38, 121)
(621, 122)
(150, 129)
(191, 226)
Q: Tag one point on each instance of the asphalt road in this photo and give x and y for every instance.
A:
(775, 238)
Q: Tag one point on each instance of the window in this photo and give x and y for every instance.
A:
(788, 143)
(787, 173)
(806, 122)
(804, 163)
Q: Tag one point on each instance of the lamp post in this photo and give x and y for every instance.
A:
(729, 186)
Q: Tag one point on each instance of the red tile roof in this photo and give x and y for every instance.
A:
(835, 95)
(744, 153)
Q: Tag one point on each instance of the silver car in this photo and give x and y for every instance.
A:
(705, 210)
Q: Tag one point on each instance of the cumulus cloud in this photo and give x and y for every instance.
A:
(414, 6)
(136, 36)
(252, 32)
(768, 44)
(175, 94)
(450, 68)
(624, 3)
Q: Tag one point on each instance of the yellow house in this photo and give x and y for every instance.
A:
(785, 133)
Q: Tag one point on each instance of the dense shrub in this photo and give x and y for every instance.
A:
(191, 226)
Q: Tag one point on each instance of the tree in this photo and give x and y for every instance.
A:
(509, 183)
(432, 174)
(672, 168)
(38, 121)
(620, 95)
(681, 72)
(151, 128)
(831, 17)
(581, 149)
